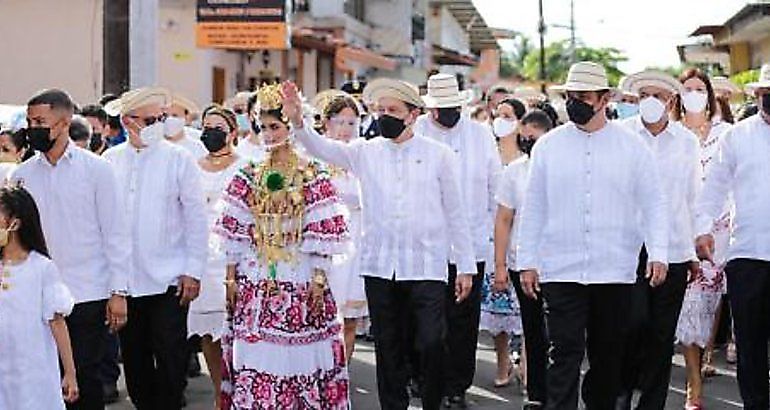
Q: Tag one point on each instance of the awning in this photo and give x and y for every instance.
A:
(347, 54)
(445, 56)
(311, 40)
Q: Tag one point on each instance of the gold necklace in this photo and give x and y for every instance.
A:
(218, 159)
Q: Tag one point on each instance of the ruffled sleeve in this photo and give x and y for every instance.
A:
(57, 298)
(236, 223)
(325, 231)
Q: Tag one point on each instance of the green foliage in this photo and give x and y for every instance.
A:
(745, 77)
(557, 61)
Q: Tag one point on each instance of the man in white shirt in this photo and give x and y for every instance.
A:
(743, 170)
(479, 169)
(85, 229)
(176, 129)
(413, 214)
(160, 186)
(676, 150)
(580, 236)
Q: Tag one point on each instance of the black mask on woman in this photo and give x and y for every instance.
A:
(448, 117)
(40, 139)
(525, 144)
(579, 112)
(390, 126)
(214, 139)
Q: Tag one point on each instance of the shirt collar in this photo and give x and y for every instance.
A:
(69, 155)
(669, 129)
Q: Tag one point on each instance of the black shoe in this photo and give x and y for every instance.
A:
(111, 394)
(414, 389)
(194, 366)
(456, 402)
(532, 405)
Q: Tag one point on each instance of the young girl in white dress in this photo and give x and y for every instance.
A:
(208, 311)
(704, 292)
(33, 303)
(340, 114)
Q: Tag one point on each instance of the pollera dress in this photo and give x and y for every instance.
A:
(208, 311)
(31, 294)
(702, 296)
(278, 351)
(345, 280)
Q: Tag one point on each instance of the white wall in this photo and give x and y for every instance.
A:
(453, 35)
(50, 43)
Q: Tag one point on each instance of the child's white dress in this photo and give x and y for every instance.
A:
(31, 293)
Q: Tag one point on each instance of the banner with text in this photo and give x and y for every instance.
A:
(242, 24)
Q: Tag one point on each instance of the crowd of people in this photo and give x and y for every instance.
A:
(271, 230)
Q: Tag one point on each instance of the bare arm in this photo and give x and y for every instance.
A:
(62, 337)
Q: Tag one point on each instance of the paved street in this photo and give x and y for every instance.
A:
(721, 391)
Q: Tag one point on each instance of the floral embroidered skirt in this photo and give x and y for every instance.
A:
(499, 310)
(281, 352)
(699, 308)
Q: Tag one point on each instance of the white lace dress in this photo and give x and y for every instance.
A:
(30, 295)
(208, 311)
(345, 280)
(702, 297)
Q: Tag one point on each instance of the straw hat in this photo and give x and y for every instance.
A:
(444, 92)
(650, 78)
(763, 81)
(133, 99)
(398, 89)
(187, 104)
(585, 76)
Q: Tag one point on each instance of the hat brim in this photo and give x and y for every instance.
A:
(758, 84)
(458, 100)
(386, 87)
(575, 86)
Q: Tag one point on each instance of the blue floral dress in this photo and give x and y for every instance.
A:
(499, 310)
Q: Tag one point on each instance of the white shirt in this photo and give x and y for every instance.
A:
(191, 141)
(511, 191)
(677, 153)
(413, 212)
(83, 220)
(250, 151)
(479, 169)
(741, 168)
(580, 221)
(161, 189)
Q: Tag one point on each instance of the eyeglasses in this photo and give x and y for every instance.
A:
(149, 120)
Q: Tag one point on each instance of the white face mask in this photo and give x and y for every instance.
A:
(173, 126)
(152, 134)
(651, 109)
(694, 101)
(503, 127)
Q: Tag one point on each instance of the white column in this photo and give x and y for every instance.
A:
(143, 42)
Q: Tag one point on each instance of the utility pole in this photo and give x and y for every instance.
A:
(115, 69)
(541, 30)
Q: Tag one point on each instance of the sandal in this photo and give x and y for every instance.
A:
(732, 353)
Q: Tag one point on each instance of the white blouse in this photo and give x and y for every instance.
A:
(31, 294)
(511, 192)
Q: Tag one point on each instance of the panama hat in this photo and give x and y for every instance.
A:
(186, 103)
(133, 99)
(389, 87)
(650, 78)
(763, 81)
(585, 76)
(444, 92)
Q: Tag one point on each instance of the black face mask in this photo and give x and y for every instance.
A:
(579, 112)
(766, 103)
(40, 139)
(448, 117)
(525, 144)
(214, 139)
(390, 127)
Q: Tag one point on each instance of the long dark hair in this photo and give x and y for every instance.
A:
(711, 104)
(17, 203)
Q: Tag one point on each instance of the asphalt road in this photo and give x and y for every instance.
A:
(721, 392)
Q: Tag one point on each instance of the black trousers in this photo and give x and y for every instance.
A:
(462, 333)
(87, 329)
(110, 371)
(748, 283)
(154, 347)
(391, 306)
(535, 341)
(650, 344)
(584, 318)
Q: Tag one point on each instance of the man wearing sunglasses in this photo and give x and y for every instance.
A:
(160, 185)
